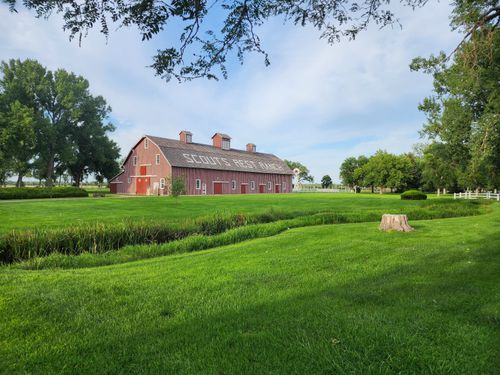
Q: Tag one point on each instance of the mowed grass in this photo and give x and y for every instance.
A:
(319, 300)
(70, 212)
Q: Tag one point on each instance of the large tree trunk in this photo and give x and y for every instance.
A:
(77, 180)
(50, 171)
(395, 222)
(19, 182)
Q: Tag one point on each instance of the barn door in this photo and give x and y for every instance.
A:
(277, 188)
(243, 189)
(143, 170)
(217, 187)
(262, 188)
(141, 185)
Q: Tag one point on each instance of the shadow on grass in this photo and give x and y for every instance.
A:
(435, 314)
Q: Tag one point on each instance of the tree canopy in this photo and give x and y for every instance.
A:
(351, 172)
(50, 123)
(205, 34)
(304, 174)
(383, 169)
(326, 182)
(463, 113)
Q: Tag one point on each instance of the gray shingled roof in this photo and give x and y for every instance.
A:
(197, 155)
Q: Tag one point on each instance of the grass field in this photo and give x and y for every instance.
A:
(323, 299)
(54, 213)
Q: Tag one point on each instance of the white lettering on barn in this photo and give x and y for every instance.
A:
(223, 162)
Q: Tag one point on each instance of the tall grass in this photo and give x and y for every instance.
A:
(224, 229)
(98, 237)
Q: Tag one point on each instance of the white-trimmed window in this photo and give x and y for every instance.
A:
(283, 186)
(198, 184)
(233, 184)
(129, 180)
(134, 161)
(162, 183)
(146, 143)
(226, 144)
(157, 159)
(252, 185)
(189, 138)
(269, 185)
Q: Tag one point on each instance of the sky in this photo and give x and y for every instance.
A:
(316, 103)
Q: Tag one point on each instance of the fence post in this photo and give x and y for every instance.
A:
(454, 195)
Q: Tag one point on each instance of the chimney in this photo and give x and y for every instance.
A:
(222, 141)
(251, 147)
(185, 136)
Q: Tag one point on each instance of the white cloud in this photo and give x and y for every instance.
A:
(355, 96)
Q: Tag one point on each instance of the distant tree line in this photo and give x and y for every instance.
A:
(52, 127)
(382, 170)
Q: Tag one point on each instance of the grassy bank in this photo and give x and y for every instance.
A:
(101, 238)
(54, 214)
(317, 300)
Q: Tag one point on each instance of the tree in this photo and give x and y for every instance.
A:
(17, 138)
(176, 185)
(92, 151)
(437, 170)
(464, 111)
(387, 170)
(326, 182)
(68, 122)
(351, 171)
(304, 174)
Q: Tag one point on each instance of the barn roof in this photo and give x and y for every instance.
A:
(197, 155)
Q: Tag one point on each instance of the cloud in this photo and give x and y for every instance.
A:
(316, 103)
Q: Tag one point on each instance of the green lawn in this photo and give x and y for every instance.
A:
(53, 212)
(326, 299)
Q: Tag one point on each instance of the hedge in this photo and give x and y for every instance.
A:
(415, 195)
(38, 192)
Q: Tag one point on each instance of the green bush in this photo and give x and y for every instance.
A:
(38, 192)
(415, 195)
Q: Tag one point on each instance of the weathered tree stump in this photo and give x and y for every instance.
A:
(395, 222)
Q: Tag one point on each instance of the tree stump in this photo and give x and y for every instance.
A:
(395, 222)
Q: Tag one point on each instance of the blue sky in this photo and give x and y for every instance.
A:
(316, 103)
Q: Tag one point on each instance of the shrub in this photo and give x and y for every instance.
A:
(38, 192)
(414, 195)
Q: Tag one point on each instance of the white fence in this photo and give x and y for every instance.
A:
(475, 195)
(311, 188)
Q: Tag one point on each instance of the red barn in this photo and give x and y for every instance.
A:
(205, 169)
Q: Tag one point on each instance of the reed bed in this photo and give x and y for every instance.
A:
(145, 240)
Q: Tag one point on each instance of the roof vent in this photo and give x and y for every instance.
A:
(222, 141)
(185, 136)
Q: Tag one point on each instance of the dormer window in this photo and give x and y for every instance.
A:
(226, 144)
(189, 138)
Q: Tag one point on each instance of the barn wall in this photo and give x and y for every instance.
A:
(147, 158)
(209, 176)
